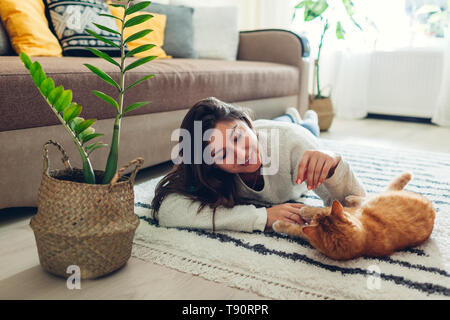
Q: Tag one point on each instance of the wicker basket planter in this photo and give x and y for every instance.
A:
(90, 226)
(324, 109)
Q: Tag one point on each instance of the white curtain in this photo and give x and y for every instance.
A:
(275, 14)
(351, 82)
(441, 114)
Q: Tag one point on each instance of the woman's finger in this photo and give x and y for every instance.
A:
(326, 168)
(318, 171)
(310, 171)
(296, 204)
(293, 218)
(302, 167)
(294, 214)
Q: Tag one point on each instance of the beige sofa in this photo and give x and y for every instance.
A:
(269, 75)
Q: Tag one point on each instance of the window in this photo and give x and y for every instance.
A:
(387, 24)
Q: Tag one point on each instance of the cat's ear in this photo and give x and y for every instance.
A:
(310, 232)
(337, 209)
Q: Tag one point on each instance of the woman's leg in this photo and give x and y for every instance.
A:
(310, 122)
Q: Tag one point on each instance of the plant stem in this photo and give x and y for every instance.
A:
(325, 28)
(88, 172)
(111, 164)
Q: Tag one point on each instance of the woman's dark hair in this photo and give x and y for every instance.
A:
(202, 182)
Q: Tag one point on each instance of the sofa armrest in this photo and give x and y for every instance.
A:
(273, 45)
(279, 46)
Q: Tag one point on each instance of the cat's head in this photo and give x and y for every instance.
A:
(336, 234)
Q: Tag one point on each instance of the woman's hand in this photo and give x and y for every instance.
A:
(316, 166)
(289, 212)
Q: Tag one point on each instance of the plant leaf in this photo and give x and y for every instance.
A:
(63, 101)
(314, 9)
(350, 9)
(55, 94)
(47, 86)
(37, 74)
(427, 8)
(99, 37)
(74, 122)
(138, 35)
(106, 28)
(340, 32)
(102, 75)
(34, 67)
(106, 98)
(135, 106)
(139, 49)
(139, 62)
(38, 77)
(110, 16)
(301, 4)
(95, 146)
(104, 55)
(26, 60)
(137, 7)
(117, 5)
(137, 20)
(84, 125)
(71, 112)
(91, 136)
(139, 81)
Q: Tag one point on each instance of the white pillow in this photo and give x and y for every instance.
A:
(216, 31)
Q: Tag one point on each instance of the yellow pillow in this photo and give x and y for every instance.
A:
(156, 37)
(28, 29)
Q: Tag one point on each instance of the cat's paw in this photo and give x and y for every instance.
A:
(307, 213)
(280, 226)
(353, 201)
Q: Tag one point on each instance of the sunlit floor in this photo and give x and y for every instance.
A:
(21, 276)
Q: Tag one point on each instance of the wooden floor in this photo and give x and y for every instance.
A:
(21, 276)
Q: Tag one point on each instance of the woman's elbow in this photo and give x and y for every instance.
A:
(167, 218)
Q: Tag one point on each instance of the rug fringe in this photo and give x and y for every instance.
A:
(263, 287)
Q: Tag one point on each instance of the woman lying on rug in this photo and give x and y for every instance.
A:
(221, 181)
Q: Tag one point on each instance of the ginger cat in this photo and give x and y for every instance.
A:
(377, 226)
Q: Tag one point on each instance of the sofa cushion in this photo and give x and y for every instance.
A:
(216, 30)
(157, 24)
(70, 19)
(179, 31)
(28, 29)
(5, 44)
(178, 84)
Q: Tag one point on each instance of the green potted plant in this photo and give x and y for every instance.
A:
(434, 19)
(86, 217)
(320, 9)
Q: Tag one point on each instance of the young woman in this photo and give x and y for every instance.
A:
(243, 184)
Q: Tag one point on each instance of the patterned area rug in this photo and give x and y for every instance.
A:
(281, 267)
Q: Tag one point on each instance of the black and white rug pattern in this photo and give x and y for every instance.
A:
(282, 267)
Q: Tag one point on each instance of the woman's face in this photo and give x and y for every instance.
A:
(234, 147)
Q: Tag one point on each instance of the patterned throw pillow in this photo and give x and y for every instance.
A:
(71, 18)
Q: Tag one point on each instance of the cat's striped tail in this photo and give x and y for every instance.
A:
(400, 182)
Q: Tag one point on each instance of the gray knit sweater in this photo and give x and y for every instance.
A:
(286, 143)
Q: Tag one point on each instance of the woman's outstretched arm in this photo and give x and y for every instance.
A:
(341, 184)
(341, 180)
(179, 211)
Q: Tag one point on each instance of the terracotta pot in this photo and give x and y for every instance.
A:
(324, 109)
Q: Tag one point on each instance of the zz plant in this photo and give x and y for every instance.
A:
(60, 100)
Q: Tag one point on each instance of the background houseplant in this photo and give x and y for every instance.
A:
(327, 12)
(87, 224)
